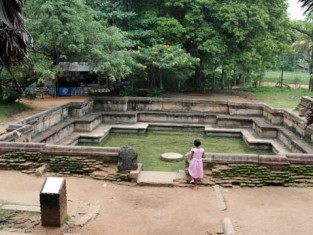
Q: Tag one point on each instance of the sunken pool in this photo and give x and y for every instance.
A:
(152, 144)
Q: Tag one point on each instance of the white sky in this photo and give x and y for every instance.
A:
(294, 11)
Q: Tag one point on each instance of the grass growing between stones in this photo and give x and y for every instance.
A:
(151, 145)
(6, 214)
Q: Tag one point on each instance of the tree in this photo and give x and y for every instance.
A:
(304, 42)
(15, 41)
(76, 34)
(232, 37)
(160, 59)
(307, 4)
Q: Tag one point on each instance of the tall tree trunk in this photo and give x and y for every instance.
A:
(282, 76)
(13, 78)
(223, 78)
(197, 78)
(197, 81)
(161, 82)
(311, 71)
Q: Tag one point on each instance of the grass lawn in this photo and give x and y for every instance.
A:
(8, 110)
(279, 97)
(295, 77)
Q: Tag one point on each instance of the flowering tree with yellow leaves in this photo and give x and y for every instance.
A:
(160, 61)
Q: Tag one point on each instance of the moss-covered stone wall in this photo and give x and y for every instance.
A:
(254, 175)
(30, 161)
(74, 165)
(20, 160)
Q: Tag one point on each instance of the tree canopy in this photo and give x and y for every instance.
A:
(70, 31)
(196, 43)
(232, 39)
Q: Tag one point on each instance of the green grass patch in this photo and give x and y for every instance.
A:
(6, 214)
(294, 77)
(9, 110)
(280, 97)
(151, 145)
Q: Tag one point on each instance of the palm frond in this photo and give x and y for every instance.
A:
(307, 5)
(15, 40)
(11, 13)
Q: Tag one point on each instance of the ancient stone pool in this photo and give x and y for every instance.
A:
(152, 144)
(50, 138)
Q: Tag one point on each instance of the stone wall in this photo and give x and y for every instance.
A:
(147, 109)
(251, 170)
(20, 161)
(24, 130)
(254, 175)
(62, 159)
(28, 162)
(75, 165)
(203, 111)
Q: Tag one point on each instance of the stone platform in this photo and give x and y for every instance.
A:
(158, 178)
(172, 157)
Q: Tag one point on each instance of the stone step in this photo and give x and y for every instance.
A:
(102, 131)
(157, 178)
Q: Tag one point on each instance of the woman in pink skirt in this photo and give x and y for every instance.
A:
(195, 164)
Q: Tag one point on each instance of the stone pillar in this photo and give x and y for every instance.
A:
(53, 202)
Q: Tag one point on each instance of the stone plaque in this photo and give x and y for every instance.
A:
(53, 202)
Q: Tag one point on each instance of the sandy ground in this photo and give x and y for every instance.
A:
(134, 210)
(153, 210)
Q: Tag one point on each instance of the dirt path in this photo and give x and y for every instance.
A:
(135, 210)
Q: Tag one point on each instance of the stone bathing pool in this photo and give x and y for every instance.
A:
(50, 137)
(152, 144)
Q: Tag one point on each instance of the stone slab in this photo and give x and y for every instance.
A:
(172, 157)
(84, 220)
(227, 225)
(135, 173)
(219, 197)
(157, 178)
(21, 208)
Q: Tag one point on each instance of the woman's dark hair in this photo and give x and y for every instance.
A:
(197, 142)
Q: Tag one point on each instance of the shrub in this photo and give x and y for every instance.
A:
(156, 92)
(10, 95)
(127, 91)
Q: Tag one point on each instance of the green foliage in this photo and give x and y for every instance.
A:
(30, 94)
(166, 57)
(200, 41)
(159, 60)
(128, 91)
(169, 30)
(6, 214)
(67, 219)
(9, 95)
(75, 34)
(156, 92)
